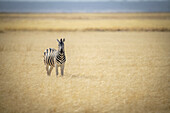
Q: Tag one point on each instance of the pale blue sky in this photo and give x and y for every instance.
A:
(80, 6)
(84, 0)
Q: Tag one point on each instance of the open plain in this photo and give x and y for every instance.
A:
(105, 72)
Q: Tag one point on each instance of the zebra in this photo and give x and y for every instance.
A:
(55, 58)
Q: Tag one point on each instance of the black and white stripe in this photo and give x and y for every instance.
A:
(60, 58)
(49, 55)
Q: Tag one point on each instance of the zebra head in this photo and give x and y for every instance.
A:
(61, 45)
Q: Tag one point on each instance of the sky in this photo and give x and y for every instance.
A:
(84, 6)
(85, 0)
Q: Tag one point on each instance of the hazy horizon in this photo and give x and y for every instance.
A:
(87, 0)
(84, 6)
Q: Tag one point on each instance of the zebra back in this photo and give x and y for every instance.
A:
(49, 55)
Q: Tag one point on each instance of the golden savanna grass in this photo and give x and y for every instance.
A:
(105, 72)
(86, 22)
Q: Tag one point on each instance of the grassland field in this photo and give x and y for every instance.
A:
(86, 22)
(108, 69)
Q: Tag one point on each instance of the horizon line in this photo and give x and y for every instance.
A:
(84, 0)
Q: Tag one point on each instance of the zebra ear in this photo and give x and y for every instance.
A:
(64, 40)
(58, 41)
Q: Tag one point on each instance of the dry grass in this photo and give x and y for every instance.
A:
(86, 22)
(105, 72)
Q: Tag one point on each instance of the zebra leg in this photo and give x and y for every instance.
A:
(56, 68)
(47, 67)
(51, 68)
(62, 69)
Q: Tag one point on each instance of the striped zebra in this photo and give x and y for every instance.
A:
(55, 58)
